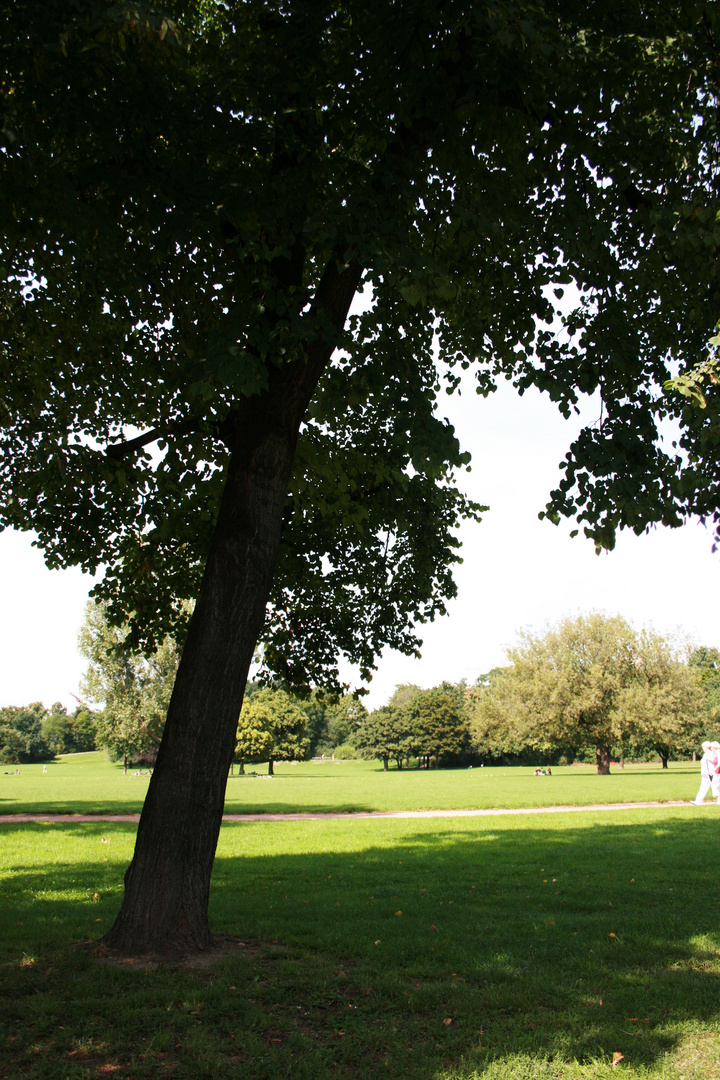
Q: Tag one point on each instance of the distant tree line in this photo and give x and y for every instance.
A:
(31, 733)
(591, 688)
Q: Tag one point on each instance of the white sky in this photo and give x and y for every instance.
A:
(517, 571)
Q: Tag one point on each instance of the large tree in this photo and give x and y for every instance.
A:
(192, 198)
(593, 681)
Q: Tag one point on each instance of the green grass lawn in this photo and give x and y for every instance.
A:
(89, 783)
(503, 948)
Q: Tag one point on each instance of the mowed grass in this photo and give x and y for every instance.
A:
(89, 783)
(507, 948)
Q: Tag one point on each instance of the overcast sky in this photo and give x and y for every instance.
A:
(517, 571)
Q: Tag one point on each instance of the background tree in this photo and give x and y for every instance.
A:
(274, 712)
(343, 718)
(188, 275)
(385, 734)
(83, 730)
(663, 706)
(21, 734)
(403, 694)
(707, 662)
(134, 691)
(57, 729)
(565, 686)
(254, 734)
(313, 705)
(437, 724)
(69, 734)
(496, 730)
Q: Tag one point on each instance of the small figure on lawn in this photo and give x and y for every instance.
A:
(708, 764)
(715, 747)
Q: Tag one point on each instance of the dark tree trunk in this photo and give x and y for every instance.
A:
(165, 907)
(602, 758)
(271, 770)
(385, 761)
(167, 883)
(664, 756)
(241, 767)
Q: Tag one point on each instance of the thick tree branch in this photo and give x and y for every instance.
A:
(118, 451)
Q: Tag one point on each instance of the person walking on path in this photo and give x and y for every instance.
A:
(715, 747)
(708, 764)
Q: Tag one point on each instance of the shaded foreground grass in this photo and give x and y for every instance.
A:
(505, 948)
(89, 783)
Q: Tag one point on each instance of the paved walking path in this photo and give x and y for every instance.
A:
(488, 812)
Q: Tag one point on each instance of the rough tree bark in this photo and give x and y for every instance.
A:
(167, 885)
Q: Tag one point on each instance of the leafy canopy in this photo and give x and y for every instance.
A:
(592, 681)
(178, 183)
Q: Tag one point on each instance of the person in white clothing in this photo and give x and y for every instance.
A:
(715, 747)
(708, 764)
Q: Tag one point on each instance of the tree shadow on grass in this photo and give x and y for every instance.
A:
(556, 946)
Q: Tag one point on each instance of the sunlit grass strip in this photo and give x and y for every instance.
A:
(89, 783)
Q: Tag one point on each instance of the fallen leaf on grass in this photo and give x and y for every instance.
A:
(447, 1022)
(434, 928)
(398, 912)
(617, 1058)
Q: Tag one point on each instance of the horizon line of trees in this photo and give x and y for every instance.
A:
(32, 733)
(590, 688)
